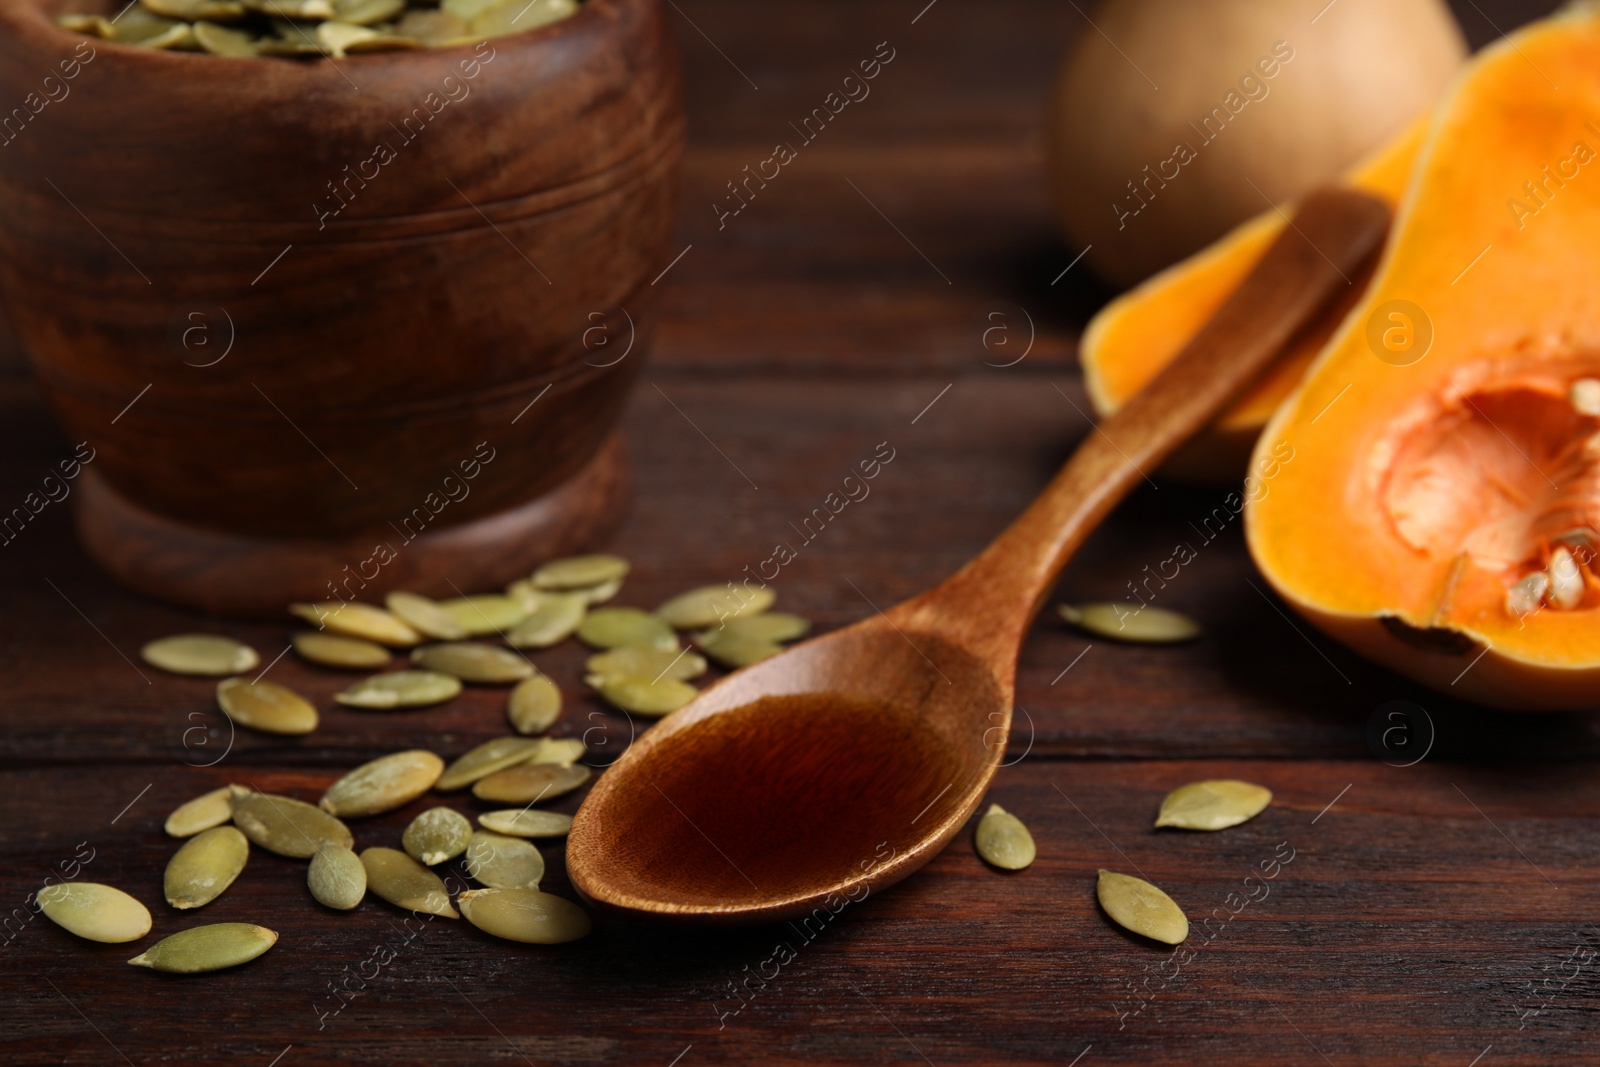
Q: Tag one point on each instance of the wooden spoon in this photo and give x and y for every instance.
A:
(801, 783)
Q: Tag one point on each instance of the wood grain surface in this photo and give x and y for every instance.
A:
(1441, 913)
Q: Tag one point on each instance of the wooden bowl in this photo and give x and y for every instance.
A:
(303, 312)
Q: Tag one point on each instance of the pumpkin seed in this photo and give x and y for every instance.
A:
(401, 689)
(337, 36)
(525, 822)
(94, 912)
(1134, 904)
(205, 866)
(1002, 840)
(424, 616)
(644, 696)
(345, 653)
(502, 862)
(195, 10)
(286, 826)
(432, 28)
(367, 12)
(383, 42)
(599, 594)
(710, 605)
(92, 25)
(201, 813)
(489, 613)
(616, 627)
(643, 661)
(350, 619)
(137, 25)
(221, 41)
(437, 835)
(179, 38)
(202, 655)
(734, 652)
(1585, 396)
(207, 948)
(266, 706)
(574, 572)
(774, 626)
(293, 9)
(553, 618)
(482, 664)
(564, 751)
(1527, 595)
(1215, 804)
(337, 877)
(285, 47)
(1566, 581)
(1140, 626)
(525, 915)
(405, 883)
(383, 784)
(530, 783)
(514, 16)
(486, 759)
(534, 705)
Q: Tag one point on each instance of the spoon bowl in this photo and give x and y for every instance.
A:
(846, 763)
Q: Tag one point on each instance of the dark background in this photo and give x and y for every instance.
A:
(1437, 913)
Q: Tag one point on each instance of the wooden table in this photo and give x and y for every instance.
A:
(1436, 913)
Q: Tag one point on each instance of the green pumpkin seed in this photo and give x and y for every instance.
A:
(574, 572)
(432, 28)
(337, 36)
(1213, 805)
(1139, 626)
(773, 626)
(350, 619)
(514, 16)
(93, 25)
(401, 689)
(616, 627)
(205, 866)
(405, 883)
(643, 661)
(564, 751)
(265, 706)
(534, 705)
(530, 783)
(599, 594)
(734, 652)
(179, 38)
(710, 605)
(1002, 840)
(94, 912)
(201, 813)
(383, 784)
(486, 759)
(1134, 904)
(481, 664)
(525, 915)
(293, 9)
(526, 822)
(367, 12)
(344, 653)
(196, 10)
(502, 862)
(285, 47)
(490, 613)
(201, 655)
(424, 616)
(137, 25)
(207, 948)
(553, 618)
(337, 877)
(286, 826)
(220, 41)
(644, 696)
(437, 835)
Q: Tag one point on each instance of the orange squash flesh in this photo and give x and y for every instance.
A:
(1441, 516)
(1140, 332)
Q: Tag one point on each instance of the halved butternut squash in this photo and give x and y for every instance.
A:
(1139, 332)
(1440, 509)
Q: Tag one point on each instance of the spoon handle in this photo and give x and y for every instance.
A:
(990, 602)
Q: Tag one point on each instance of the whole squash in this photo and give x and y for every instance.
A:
(1175, 121)
(1440, 507)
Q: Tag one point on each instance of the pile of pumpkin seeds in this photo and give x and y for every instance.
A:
(640, 665)
(336, 28)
